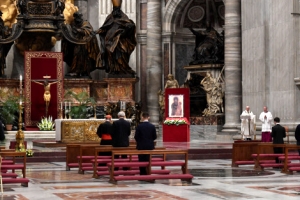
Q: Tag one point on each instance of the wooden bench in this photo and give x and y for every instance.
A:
(73, 150)
(290, 167)
(86, 155)
(270, 156)
(96, 160)
(10, 177)
(286, 157)
(151, 176)
(103, 170)
(242, 152)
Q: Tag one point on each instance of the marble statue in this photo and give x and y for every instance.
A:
(161, 103)
(171, 82)
(214, 95)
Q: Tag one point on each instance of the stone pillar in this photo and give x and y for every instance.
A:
(154, 57)
(233, 65)
(82, 7)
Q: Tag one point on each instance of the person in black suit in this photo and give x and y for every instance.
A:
(297, 136)
(120, 132)
(278, 133)
(2, 136)
(145, 135)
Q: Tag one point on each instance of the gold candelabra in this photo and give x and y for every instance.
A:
(20, 134)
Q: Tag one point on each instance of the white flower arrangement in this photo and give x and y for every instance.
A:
(29, 152)
(46, 124)
(176, 122)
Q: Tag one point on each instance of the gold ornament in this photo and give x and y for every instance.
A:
(116, 3)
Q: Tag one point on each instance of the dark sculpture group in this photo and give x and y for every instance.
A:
(80, 46)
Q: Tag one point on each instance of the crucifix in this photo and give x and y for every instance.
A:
(47, 87)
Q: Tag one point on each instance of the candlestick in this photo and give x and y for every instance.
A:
(20, 84)
(66, 110)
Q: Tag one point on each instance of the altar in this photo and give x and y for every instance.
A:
(78, 130)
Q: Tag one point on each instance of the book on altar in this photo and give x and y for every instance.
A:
(245, 117)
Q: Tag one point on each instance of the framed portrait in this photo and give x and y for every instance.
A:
(176, 106)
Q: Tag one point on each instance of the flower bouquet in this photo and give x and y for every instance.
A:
(46, 124)
(176, 122)
(29, 152)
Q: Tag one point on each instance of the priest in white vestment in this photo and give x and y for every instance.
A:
(248, 122)
(266, 118)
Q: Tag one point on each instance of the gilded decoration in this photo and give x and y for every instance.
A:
(77, 86)
(40, 8)
(35, 41)
(69, 10)
(99, 91)
(28, 57)
(80, 131)
(8, 88)
(9, 10)
(101, 94)
(117, 92)
(120, 89)
(90, 130)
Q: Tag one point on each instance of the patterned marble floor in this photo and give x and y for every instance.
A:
(214, 179)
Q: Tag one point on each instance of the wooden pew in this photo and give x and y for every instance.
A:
(150, 164)
(73, 151)
(242, 152)
(286, 157)
(86, 155)
(261, 154)
(102, 149)
(290, 167)
(15, 166)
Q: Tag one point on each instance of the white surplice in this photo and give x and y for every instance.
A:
(266, 122)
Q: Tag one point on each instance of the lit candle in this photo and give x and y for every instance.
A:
(20, 102)
(20, 84)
